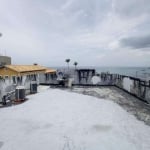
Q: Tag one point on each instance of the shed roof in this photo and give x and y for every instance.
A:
(25, 68)
(50, 70)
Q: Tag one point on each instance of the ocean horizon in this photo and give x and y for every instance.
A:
(142, 72)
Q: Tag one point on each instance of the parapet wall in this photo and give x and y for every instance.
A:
(134, 86)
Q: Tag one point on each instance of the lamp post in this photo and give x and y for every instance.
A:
(67, 61)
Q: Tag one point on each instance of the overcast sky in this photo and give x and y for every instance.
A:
(91, 32)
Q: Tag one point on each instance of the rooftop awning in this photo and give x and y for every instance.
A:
(25, 68)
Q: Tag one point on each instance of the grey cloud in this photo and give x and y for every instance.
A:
(132, 8)
(89, 12)
(136, 42)
(52, 30)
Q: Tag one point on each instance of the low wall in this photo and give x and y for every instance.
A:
(134, 86)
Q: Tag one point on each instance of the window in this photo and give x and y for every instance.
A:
(33, 77)
(28, 77)
(6, 77)
(19, 80)
(47, 76)
(14, 79)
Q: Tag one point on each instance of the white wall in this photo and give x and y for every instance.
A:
(127, 84)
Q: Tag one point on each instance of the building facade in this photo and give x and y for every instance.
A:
(5, 60)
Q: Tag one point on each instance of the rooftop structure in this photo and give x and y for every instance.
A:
(50, 71)
(18, 70)
(5, 60)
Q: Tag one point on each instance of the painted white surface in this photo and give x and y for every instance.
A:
(96, 79)
(70, 81)
(127, 84)
(42, 88)
(59, 120)
(20, 87)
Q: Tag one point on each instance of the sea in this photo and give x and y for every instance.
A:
(129, 71)
(139, 72)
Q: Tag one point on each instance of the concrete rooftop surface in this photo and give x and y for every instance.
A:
(128, 102)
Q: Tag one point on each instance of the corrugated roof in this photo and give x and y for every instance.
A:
(25, 68)
(50, 70)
